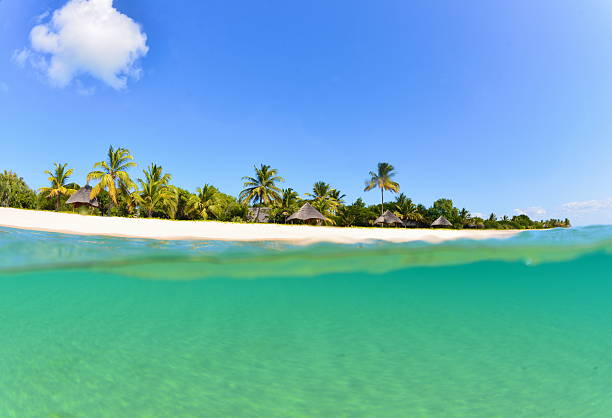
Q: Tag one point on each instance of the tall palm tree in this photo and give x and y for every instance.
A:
(155, 191)
(113, 174)
(383, 180)
(205, 203)
(262, 188)
(58, 183)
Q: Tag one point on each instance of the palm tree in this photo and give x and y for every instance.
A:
(325, 199)
(465, 216)
(337, 196)
(171, 205)
(408, 211)
(113, 174)
(131, 196)
(58, 183)
(288, 202)
(262, 188)
(205, 203)
(383, 180)
(155, 190)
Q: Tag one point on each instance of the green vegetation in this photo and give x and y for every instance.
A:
(58, 188)
(383, 180)
(326, 200)
(153, 195)
(156, 195)
(261, 189)
(15, 193)
(113, 176)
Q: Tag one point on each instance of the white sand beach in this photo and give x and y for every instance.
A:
(209, 230)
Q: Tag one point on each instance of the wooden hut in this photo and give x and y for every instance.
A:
(388, 218)
(441, 222)
(308, 215)
(82, 197)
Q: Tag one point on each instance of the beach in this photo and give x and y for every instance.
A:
(160, 229)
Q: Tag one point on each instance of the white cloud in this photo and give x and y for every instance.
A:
(42, 16)
(86, 37)
(21, 56)
(532, 211)
(587, 206)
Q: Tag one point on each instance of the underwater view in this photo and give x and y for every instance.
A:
(100, 327)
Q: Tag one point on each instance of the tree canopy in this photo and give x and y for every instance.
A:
(153, 195)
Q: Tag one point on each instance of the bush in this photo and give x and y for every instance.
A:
(15, 193)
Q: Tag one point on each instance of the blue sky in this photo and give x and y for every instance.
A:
(501, 106)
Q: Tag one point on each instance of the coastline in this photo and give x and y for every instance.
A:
(160, 229)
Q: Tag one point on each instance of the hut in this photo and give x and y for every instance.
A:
(308, 215)
(388, 218)
(82, 197)
(441, 222)
(259, 215)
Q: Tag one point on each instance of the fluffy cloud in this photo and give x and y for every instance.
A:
(532, 212)
(587, 206)
(86, 37)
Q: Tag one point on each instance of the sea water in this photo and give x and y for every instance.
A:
(110, 327)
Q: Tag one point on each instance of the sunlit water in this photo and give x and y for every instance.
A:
(105, 327)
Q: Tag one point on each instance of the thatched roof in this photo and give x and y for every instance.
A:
(388, 218)
(82, 197)
(441, 221)
(306, 213)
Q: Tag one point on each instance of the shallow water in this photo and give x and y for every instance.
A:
(101, 327)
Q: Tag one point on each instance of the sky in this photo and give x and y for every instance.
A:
(501, 106)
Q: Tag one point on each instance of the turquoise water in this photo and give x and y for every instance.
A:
(107, 327)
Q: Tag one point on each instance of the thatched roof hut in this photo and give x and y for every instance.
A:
(82, 197)
(441, 222)
(388, 218)
(307, 214)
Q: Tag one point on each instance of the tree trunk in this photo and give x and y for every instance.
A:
(57, 203)
(382, 200)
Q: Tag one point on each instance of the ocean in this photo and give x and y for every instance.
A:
(111, 327)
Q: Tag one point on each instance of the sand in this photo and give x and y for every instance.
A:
(68, 223)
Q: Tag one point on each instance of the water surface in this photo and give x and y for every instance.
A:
(99, 327)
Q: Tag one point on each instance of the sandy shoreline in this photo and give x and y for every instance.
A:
(220, 231)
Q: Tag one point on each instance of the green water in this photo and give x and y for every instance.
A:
(95, 327)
